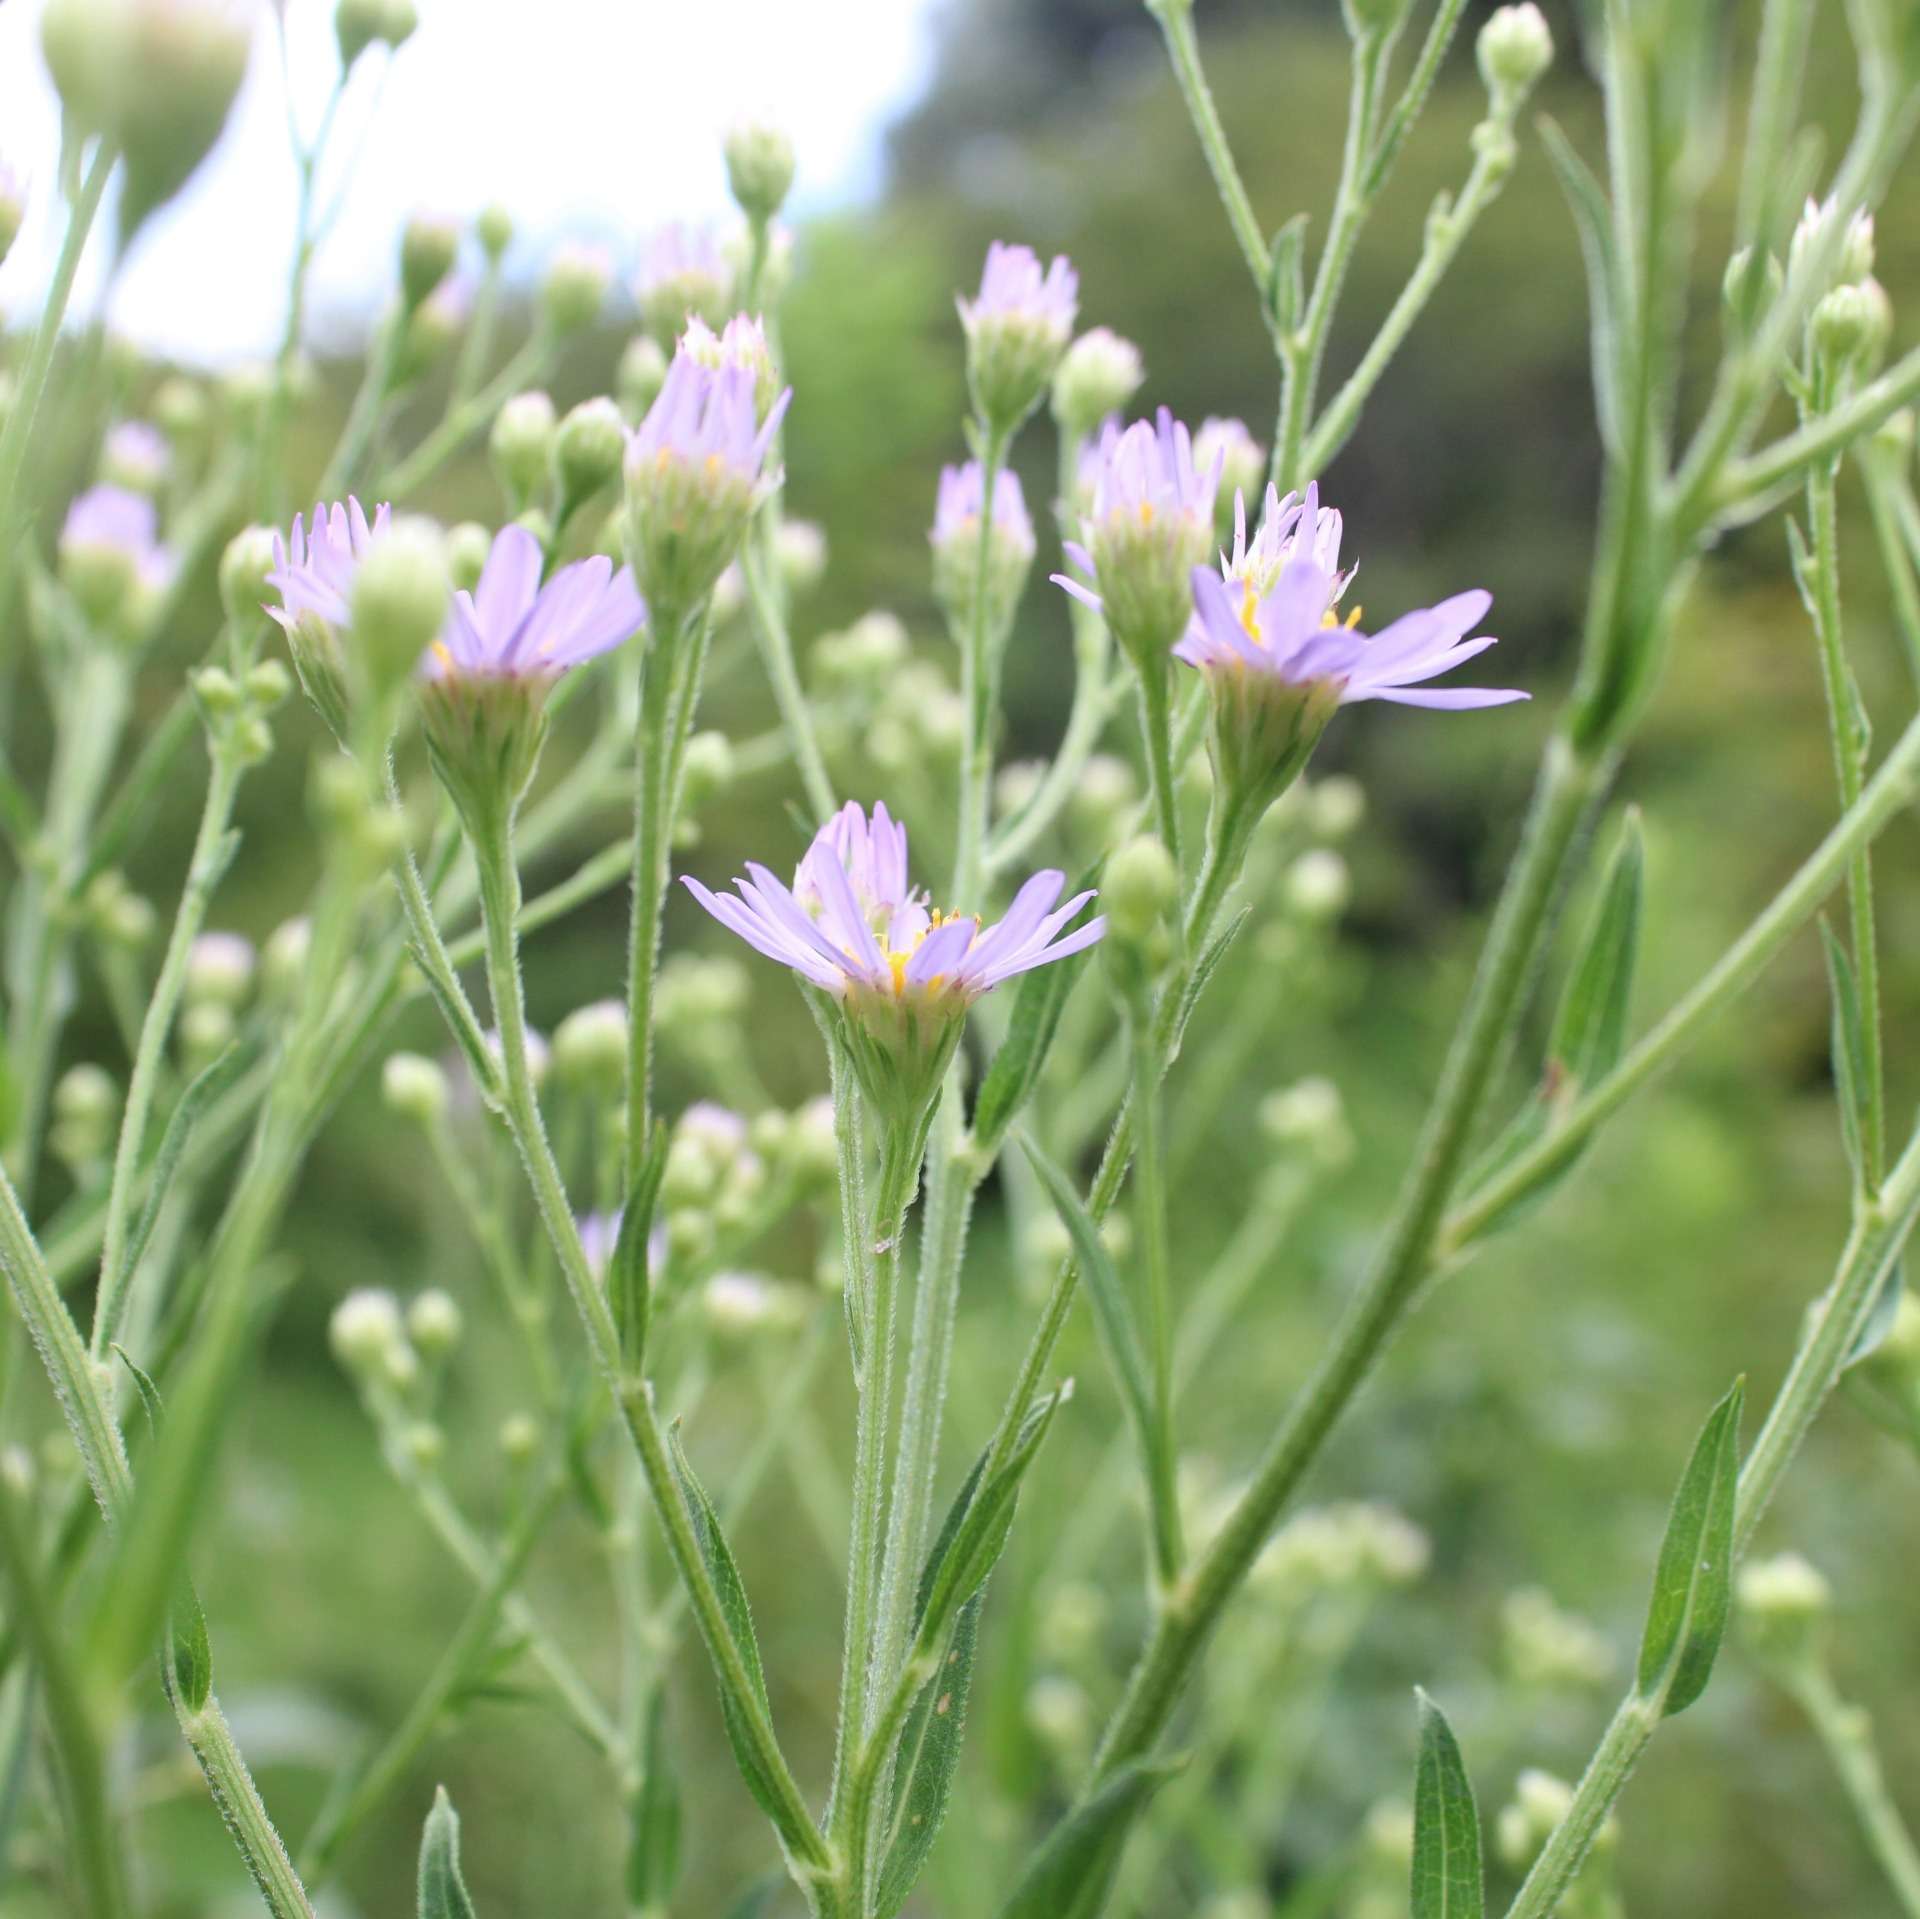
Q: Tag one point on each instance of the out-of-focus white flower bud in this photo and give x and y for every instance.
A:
(493, 228)
(400, 597)
(86, 1112)
(1242, 461)
(707, 769)
(1527, 1822)
(206, 1031)
(1015, 785)
(521, 445)
(357, 24)
(1310, 1117)
(435, 1322)
(429, 245)
(1317, 887)
(284, 961)
(402, 19)
(220, 970)
(519, 1438)
(642, 373)
(759, 167)
(268, 683)
(1784, 1604)
(1097, 375)
(1514, 49)
(810, 1148)
(575, 289)
(136, 456)
(862, 659)
(802, 551)
(368, 1337)
(1335, 806)
(415, 1087)
(1139, 886)
(1061, 1716)
(425, 1443)
(1072, 1617)
(736, 1304)
(590, 1046)
(1105, 796)
(694, 996)
(1544, 1647)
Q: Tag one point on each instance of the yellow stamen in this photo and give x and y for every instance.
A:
(1250, 615)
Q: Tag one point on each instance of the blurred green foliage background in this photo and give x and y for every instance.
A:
(1533, 1419)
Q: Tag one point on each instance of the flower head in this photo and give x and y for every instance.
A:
(136, 456)
(903, 974)
(1228, 445)
(742, 342)
(683, 275)
(110, 551)
(485, 680)
(1293, 527)
(1150, 523)
(695, 471)
(1017, 329)
(313, 573)
(1099, 373)
(955, 538)
(1278, 662)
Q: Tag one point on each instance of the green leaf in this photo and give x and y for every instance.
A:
(1693, 1582)
(207, 1085)
(739, 1617)
(1448, 1882)
(1015, 1072)
(1205, 965)
(1071, 1874)
(1286, 291)
(629, 1283)
(653, 1856)
(1593, 220)
(925, 1759)
(757, 1900)
(1112, 1309)
(1590, 1028)
(443, 1893)
(1849, 1049)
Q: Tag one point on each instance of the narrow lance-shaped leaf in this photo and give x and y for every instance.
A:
(1448, 1881)
(1111, 1306)
(443, 1893)
(1849, 1048)
(739, 1617)
(1590, 1028)
(629, 1280)
(653, 1854)
(1286, 289)
(1072, 1873)
(205, 1087)
(1693, 1582)
(1593, 220)
(1038, 1002)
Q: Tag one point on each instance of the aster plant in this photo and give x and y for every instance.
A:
(1010, 1047)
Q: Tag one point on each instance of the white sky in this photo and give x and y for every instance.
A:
(589, 119)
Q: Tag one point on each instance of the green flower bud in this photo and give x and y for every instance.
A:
(519, 1438)
(522, 447)
(366, 1332)
(180, 411)
(575, 289)
(283, 962)
(431, 329)
(426, 1444)
(357, 24)
(13, 211)
(801, 548)
(468, 545)
(429, 245)
(415, 1087)
(400, 597)
(1546, 1648)
(267, 684)
(643, 372)
(87, 1095)
(759, 167)
(401, 20)
(1308, 1117)
(244, 567)
(435, 1323)
(494, 230)
(1137, 889)
(590, 1046)
(863, 659)
(1097, 375)
(588, 449)
(1514, 49)
(214, 688)
(206, 1031)
(1104, 797)
(1335, 806)
(1317, 885)
(708, 768)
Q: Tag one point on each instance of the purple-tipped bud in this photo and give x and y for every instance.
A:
(1149, 525)
(1017, 329)
(696, 470)
(111, 559)
(956, 541)
(136, 457)
(683, 275)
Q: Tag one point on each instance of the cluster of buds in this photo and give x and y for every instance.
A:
(980, 559)
(861, 661)
(360, 24)
(217, 985)
(1355, 1545)
(1547, 1648)
(112, 560)
(696, 468)
(1852, 320)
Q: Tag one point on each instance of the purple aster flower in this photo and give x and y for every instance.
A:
(1296, 527)
(110, 550)
(513, 627)
(695, 470)
(683, 273)
(1017, 329)
(1149, 525)
(853, 925)
(742, 342)
(955, 537)
(136, 456)
(313, 569)
(1288, 634)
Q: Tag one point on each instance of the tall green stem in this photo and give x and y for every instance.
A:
(1150, 1226)
(1846, 1732)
